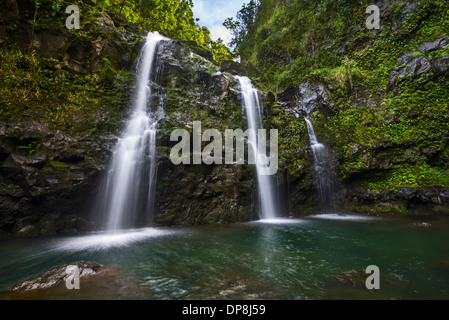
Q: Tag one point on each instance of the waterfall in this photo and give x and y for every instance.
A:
(321, 168)
(127, 195)
(251, 104)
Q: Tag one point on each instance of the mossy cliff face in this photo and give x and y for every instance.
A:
(194, 89)
(65, 95)
(378, 99)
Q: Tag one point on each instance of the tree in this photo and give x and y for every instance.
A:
(244, 22)
(220, 51)
(172, 17)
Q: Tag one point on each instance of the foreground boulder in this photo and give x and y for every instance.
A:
(97, 282)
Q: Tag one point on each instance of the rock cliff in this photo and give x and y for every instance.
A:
(65, 106)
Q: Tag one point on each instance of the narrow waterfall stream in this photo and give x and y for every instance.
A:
(129, 187)
(251, 104)
(321, 168)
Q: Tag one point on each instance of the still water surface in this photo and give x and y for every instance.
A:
(317, 257)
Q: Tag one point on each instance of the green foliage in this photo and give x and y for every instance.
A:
(408, 126)
(294, 40)
(391, 138)
(402, 118)
(32, 89)
(220, 51)
(292, 134)
(345, 75)
(172, 17)
(243, 23)
(55, 7)
(28, 149)
(410, 176)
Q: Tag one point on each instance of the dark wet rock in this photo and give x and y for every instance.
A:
(169, 55)
(400, 200)
(74, 224)
(203, 194)
(27, 130)
(241, 286)
(18, 161)
(414, 65)
(412, 68)
(434, 195)
(97, 282)
(407, 10)
(28, 231)
(43, 175)
(312, 96)
(232, 67)
(307, 98)
(422, 224)
(49, 226)
(440, 66)
(408, 193)
(438, 44)
(9, 13)
(101, 39)
(239, 68)
(199, 50)
(221, 84)
(383, 4)
(442, 266)
(49, 179)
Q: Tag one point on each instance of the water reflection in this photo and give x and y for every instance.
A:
(277, 259)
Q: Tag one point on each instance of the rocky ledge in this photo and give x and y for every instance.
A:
(96, 282)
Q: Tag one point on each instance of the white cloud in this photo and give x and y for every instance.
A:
(213, 13)
(221, 32)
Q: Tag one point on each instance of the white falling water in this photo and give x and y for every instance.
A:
(321, 167)
(254, 118)
(128, 194)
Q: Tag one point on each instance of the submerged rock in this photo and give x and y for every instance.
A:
(422, 224)
(442, 266)
(97, 282)
(350, 285)
(242, 286)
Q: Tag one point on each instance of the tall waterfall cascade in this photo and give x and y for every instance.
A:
(127, 195)
(252, 108)
(321, 168)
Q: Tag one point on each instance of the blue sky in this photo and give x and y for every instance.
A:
(212, 14)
